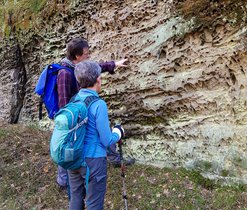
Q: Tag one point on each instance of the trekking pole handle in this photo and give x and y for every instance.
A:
(120, 131)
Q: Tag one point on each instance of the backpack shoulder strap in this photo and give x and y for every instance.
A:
(90, 99)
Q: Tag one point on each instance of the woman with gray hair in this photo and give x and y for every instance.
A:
(97, 138)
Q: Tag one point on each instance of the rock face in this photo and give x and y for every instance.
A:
(13, 81)
(182, 100)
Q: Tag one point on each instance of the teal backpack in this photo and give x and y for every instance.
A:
(67, 141)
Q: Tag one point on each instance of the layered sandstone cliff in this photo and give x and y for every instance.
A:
(183, 97)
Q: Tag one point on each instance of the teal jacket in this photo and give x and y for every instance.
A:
(98, 132)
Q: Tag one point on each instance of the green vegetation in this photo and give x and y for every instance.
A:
(28, 176)
(240, 161)
(16, 15)
(204, 166)
(35, 5)
(2, 133)
(11, 6)
(225, 173)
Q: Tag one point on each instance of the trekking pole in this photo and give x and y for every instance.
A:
(120, 143)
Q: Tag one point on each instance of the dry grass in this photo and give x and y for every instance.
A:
(27, 178)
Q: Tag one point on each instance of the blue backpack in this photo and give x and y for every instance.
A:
(67, 141)
(47, 88)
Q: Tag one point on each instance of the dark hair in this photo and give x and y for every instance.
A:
(75, 47)
(86, 73)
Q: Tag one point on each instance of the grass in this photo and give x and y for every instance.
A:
(27, 178)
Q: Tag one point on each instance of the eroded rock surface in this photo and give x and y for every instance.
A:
(182, 99)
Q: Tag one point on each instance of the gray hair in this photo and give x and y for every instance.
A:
(86, 73)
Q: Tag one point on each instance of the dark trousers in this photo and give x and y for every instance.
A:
(112, 156)
(96, 186)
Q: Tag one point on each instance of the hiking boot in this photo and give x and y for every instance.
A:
(127, 162)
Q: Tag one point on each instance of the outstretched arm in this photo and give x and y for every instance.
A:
(121, 63)
(110, 66)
